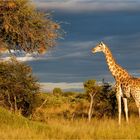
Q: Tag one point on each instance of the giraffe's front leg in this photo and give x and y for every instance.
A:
(118, 96)
(125, 108)
(119, 108)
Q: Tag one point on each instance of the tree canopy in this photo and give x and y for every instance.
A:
(24, 28)
(17, 86)
(91, 87)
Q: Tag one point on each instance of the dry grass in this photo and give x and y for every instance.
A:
(97, 129)
(17, 127)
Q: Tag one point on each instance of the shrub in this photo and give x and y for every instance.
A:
(105, 102)
(57, 91)
(17, 86)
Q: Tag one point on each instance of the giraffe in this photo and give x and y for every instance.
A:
(122, 79)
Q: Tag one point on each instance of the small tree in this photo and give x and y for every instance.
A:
(105, 102)
(17, 86)
(24, 28)
(91, 89)
(57, 91)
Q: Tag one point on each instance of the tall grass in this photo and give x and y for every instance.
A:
(17, 127)
(96, 129)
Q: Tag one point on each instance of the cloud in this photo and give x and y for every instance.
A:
(89, 5)
(21, 57)
(71, 50)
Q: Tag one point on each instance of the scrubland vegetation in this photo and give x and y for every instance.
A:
(25, 113)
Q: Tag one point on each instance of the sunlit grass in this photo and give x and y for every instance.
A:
(97, 129)
(18, 127)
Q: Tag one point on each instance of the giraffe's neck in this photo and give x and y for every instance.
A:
(116, 70)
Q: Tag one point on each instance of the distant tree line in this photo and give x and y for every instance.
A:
(97, 101)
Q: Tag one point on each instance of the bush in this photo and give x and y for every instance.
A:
(57, 91)
(46, 106)
(102, 99)
(105, 103)
(17, 86)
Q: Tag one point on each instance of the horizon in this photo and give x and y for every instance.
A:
(66, 86)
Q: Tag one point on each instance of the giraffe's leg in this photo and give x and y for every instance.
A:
(138, 106)
(119, 108)
(125, 108)
(139, 112)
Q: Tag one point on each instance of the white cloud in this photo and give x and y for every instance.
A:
(89, 5)
(22, 58)
(74, 49)
(71, 49)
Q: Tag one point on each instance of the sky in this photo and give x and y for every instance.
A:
(86, 23)
(89, 5)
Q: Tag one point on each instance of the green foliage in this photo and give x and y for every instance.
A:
(57, 91)
(73, 105)
(17, 86)
(65, 106)
(23, 27)
(105, 102)
(90, 86)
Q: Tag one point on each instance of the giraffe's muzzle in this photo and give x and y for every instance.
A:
(93, 50)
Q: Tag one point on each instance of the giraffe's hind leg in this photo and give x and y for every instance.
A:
(139, 112)
(138, 106)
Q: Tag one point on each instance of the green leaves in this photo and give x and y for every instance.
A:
(91, 87)
(17, 85)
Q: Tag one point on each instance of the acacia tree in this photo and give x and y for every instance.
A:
(24, 28)
(92, 89)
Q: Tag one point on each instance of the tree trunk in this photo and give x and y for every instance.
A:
(9, 101)
(15, 104)
(90, 112)
(39, 108)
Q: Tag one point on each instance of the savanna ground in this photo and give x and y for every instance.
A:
(18, 127)
(54, 120)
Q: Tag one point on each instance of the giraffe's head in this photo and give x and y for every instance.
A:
(99, 48)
